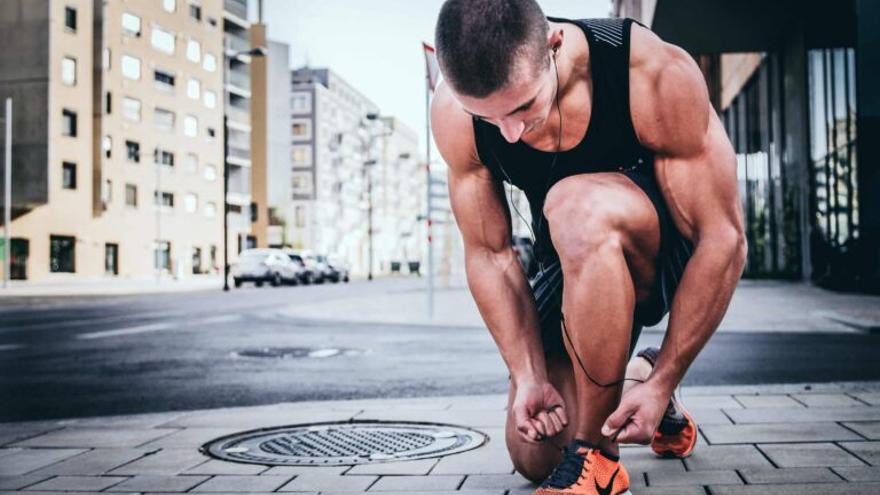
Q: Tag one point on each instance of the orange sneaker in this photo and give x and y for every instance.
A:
(585, 470)
(676, 436)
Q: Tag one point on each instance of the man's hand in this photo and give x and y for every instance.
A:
(538, 411)
(636, 418)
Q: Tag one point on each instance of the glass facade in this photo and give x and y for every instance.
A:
(755, 125)
(833, 163)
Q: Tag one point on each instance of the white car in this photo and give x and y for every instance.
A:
(265, 265)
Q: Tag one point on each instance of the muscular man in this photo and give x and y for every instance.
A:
(632, 186)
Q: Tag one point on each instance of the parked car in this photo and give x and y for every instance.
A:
(525, 251)
(265, 265)
(307, 273)
(319, 266)
(339, 268)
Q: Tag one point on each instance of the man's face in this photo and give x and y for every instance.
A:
(521, 106)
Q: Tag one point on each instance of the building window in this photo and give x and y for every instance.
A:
(210, 173)
(210, 210)
(191, 163)
(190, 203)
(212, 22)
(106, 59)
(195, 12)
(133, 151)
(193, 51)
(302, 155)
(209, 98)
(70, 18)
(301, 103)
(210, 63)
(131, 195)
(163, 157)
(108, 103)
(190, 126)
(61, 254)
(164, 80)
(68, 71)
(162, 255)
(68, 175)
(301, 129)
(107, 193)
(164, 199)
(111, 259)
(193, 88)
(169, 5)
(162, 40)
(131, 67)
(131, 109)
(211, 132)
(299, 214)
(68, 123)
(302, 183)
(131, 24)
(163, 119)
(107, 146)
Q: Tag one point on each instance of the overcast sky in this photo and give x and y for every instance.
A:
(376, 45)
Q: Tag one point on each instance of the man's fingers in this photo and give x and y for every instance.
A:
(557, 423)
(632, 433)
(545, 425)
(559, 411)
(618, 418)
(528, 432)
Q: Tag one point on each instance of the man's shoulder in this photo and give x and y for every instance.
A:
(453, 130)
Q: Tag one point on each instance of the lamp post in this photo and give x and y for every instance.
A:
(254, 52)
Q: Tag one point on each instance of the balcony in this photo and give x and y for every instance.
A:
(237, 8)
(239, 181)
(239, 80)
(235, 44)
(239, 115)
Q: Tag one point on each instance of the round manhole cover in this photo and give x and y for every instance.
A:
(344, 443)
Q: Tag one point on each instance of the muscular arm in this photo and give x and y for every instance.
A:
(696, 170)
(495, 278)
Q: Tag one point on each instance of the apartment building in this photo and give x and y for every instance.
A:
(791, 81)
(117, 143)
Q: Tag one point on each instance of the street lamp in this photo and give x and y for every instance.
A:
(254, 52)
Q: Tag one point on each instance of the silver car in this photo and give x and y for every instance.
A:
(265, 265)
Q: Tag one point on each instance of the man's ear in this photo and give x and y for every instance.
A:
(554, 39)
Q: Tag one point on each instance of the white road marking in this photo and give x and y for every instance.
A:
(158, 327)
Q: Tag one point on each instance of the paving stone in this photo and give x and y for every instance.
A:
(805, 415)
(94, 462)
(94, 438)
(643, 459)
(867, 429)
(414, 483)
(419, 467)
(668, 490)
(137, 421)
(191, 437)
(313, 470)
(153, 483)
(474, 418)
(872, 398)
(242, 484)
(719, 457)
(796, 432)
(257, 417)
(222, 467)
(502, 481)
(789, 475)
(78, 483)
(54, 492)
(16, 482)
(693, 402)
(666, 478)
(164, 462)
(765, 401)
(710, 417)
(14, 432)
(809, 455)
(799, 489)
(867, 451)
(859, 473)
(430, 492)
(23, 461)
(827, 400)
(480, 461)
(324, 483)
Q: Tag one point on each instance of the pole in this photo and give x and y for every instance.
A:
(369, 223)
(7, 195)
(158, 199)
(428, 187)
(225, 208)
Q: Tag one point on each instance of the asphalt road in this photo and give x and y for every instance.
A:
(75, 357)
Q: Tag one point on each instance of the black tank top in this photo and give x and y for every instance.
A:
(610, 143)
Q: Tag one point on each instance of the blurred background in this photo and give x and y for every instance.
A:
(156, 144)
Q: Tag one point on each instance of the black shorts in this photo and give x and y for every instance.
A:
(675, 251)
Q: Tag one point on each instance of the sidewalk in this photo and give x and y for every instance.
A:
(763, 306)
(110, 286)
(754, 440)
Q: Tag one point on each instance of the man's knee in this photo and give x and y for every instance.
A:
(582, 223)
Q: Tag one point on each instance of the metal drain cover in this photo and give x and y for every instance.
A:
(341, 444)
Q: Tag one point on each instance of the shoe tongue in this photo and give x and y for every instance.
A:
(581, 447)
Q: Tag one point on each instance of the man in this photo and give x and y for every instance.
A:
(632, 186)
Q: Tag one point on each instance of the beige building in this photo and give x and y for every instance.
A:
(118, 149)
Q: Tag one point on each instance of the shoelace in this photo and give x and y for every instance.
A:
(569, 471)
